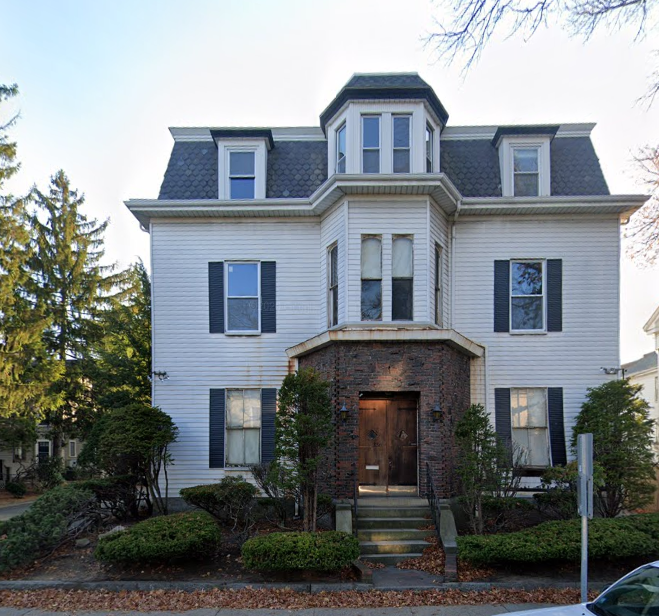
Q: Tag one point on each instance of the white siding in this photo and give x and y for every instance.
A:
(333, 229)
(589, 248)
(388, 218)
(196, 360)
(439, 234)
(649, 381)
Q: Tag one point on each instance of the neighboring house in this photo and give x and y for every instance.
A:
(645, 372)
(420, 267)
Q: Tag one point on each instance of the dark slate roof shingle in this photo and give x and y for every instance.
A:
(575, 168)
(394, 80)
(473, 166)
(296, 168)
(191, 172)
(647, 362)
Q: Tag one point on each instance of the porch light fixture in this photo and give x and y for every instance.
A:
(161, 374)
(343, 413)
(437, 413)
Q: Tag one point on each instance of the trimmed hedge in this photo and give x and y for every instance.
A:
(173, 538)
(230, 500)
(327, 551)
(560, 540)
(42, 527)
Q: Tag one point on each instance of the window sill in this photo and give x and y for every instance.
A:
(242, 333)
(529, 332)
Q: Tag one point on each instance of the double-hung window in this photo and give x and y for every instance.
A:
(242, 175)
(73, 450)
(529, 425)
(243, 297)
(402, 125)
(402, 278)
(371, 278)
(341, 149)
(527, 296)
(333, 285)
(526, 171)
(439, 299)
(371, 144)
(430, 144)
(243, 427)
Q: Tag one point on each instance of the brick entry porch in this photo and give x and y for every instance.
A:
(431, 372)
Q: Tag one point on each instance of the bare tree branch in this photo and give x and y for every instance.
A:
(643, 230)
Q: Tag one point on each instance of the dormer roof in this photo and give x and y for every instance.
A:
(385, 86)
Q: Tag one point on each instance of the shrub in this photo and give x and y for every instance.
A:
(560, 540)
(119, 495)
(16, 489)
(44, 526)
(232, 501)
(173, 538)
(327, 551)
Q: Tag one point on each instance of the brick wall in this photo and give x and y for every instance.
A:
(432, 370)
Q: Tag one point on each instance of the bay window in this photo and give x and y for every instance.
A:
(402, 125)
(371, 144)
(371, 276)
(402, 279)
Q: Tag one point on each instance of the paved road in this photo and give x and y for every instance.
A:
(10, 511)
(456, 610)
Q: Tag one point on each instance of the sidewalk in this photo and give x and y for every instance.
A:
(12, 509)
(454, 610)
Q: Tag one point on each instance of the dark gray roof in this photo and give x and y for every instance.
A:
(647, 362)
(393, 80)
(296, 168)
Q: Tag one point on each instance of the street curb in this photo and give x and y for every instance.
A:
(139, 585)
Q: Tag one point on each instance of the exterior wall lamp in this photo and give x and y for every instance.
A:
(343, 413)
(437, 413)
(161, 374)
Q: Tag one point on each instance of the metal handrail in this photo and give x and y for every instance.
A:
(355, 499)
(431, 495)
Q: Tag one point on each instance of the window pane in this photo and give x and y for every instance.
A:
(401, 161)
(402, 304)
(526, 278)
(335, 306)
(429, 139)
(243, 314)
(371, 161)
(401, 266)
(341, 166)
(371, 258)
(526, 185)
(401, 132)
(371, 300)
(243, 279)
(371, 135)
(520, 415)
(252, 405)
(537, 408)
(341, 142)
(241, 163)
(252, 446)
(235, 448)
(242, 188)
(538, 447)
(525, 159)
(234, 408)
(526, 312)
(521, 440)
(334, 266)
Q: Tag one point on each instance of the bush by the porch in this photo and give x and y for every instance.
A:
(165, 539)
(560, 541)
(326, 551)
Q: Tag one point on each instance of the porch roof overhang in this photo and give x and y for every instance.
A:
(384, 333)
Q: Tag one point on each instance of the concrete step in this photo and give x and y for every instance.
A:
(396, 534)
(392, 501)
(388, 559)
(390, 523)
(393, 512)
(392, 547)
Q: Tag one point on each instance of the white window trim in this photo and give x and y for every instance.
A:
(50, 447)
(394, 237)
(363, 237)
(343, 126)
(439, 285)
(549, 455)
(544, 298)
(240, 332)
(361, 143)
(410, 148)
(234, 467)
(431, 128)
(328, 256)
(506, 148)
(259, 147)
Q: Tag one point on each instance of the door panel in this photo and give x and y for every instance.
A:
(372, 442)
(401, 418)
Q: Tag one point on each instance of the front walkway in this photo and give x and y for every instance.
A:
(12, 509)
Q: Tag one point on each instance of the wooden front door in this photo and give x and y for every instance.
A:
(387, 442)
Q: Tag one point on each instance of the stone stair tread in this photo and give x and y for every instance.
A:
(397, 542)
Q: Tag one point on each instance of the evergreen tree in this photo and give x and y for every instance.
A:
(26, 370)
(72, 287)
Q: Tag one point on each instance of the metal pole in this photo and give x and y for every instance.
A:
(584, 558)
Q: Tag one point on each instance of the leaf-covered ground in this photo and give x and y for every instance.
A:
(249, 598)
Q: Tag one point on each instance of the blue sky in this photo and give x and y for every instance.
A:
(102, 81)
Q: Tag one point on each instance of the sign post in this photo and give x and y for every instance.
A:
(585, 498)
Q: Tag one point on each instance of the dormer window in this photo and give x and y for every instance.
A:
(371, 144)
(242, 176)
(341, 149)
(402, 125)
(430, 144)
(526, 171)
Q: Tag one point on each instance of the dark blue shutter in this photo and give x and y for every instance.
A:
(502, 296)
(216, 297)
(216, 429)
(268, 297)
(268, 410)
(554, 295)
(502, 418)
(556, 426)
